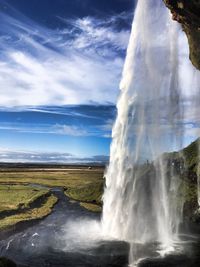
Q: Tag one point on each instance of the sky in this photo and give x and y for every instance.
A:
(60, 67)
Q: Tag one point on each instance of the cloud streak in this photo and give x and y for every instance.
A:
(74, 121)
(59, 129)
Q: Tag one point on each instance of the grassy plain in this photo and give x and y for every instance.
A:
(21, 199)
(62, 178)
(28, 215)
(14, 197)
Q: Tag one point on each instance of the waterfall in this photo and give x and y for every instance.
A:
(140, 196)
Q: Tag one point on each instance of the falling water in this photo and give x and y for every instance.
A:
(140, 196)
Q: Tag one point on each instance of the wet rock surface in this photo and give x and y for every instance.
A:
(6, 263)
(188, 14)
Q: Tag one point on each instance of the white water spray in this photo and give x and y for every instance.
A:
(139, 199)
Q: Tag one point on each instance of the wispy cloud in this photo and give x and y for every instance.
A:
(76, 65)
(59, 129)
(76, 121)
(71, 130)
(89, 33)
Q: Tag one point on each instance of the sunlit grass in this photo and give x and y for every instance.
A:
(32, 214)
(91, 207)
(91, 193)
(18, 193)
(14, 197)
(49, 178)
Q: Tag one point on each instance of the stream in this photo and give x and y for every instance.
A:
(71, 237)
(65, 238)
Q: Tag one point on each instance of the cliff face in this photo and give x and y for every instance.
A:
(187, 12)
(183, 168)
(187, 169)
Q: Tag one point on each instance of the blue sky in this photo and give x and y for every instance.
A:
(60, 67)
(82, 131)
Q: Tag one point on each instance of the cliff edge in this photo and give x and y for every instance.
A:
(187, 12)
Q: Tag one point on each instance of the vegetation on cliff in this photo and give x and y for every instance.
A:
(186, 170)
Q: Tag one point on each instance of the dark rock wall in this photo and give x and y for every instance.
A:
(187, 12)
(7, 263)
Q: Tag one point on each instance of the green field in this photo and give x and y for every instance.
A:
(67, 179)
(28, 215)
(14, 197)
(22, 200)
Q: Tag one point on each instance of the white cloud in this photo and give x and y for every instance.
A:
(71, 130)
(39, 66)
(107, 126)
(99, 33)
